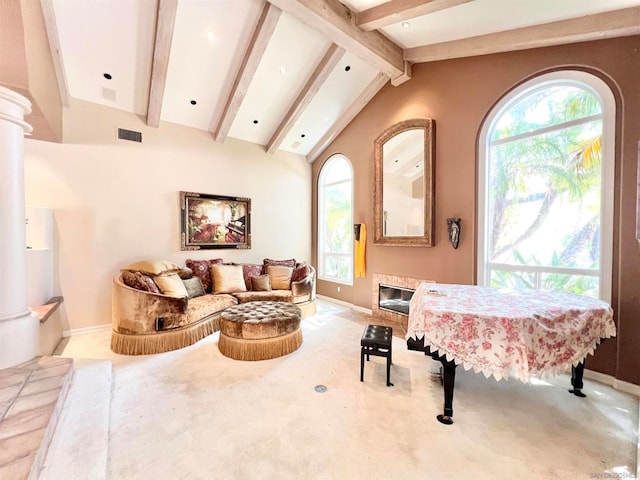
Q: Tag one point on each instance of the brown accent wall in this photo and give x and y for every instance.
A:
(458, 94)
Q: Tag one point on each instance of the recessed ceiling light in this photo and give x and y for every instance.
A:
(283, 70)
(255, 122)
(107, 76)
(347, 68)
(193, 102)
(211, 37)
(406, 24)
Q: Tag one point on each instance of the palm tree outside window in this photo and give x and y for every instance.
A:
(546, 187)
(335, 221)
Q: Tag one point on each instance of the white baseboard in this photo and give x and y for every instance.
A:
(345, 304)
(613, 382)
(84, 331)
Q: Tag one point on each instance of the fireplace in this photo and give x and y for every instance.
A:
(394, 299)
(381, 297)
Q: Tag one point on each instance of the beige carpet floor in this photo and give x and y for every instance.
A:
(195, 414)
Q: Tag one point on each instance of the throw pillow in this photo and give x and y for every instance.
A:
(185, 273)
(154, 267)
(301, 272)
(286, 263)
(261, 283)
(171, 285)
(280, 277)
(201, 270)
(193, 286)
(152, 287)
(250, 270)
(227, 279)
(134, 280)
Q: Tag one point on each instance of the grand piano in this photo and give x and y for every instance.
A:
(502, 332)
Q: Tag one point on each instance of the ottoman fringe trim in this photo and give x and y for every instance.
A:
(163, 341)
(263, 349)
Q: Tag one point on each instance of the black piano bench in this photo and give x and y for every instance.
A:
(376, 340)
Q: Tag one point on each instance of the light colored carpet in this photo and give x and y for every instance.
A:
(194, 413)
(80, 444)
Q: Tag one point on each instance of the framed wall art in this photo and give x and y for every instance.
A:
(214, 221)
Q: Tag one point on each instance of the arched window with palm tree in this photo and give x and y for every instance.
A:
(335, 221)
(546, 186)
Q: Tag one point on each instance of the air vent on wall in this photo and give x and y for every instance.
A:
(130, 135)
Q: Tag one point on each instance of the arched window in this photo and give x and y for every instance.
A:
(335, 221)
(546, 186)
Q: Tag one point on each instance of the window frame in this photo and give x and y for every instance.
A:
(321, 253)
(598, 87)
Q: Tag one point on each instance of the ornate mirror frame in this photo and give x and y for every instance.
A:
(427, 239)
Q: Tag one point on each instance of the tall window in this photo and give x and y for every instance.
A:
(546, 187)
(335, 221)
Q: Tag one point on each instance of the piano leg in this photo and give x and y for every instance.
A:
(576, 380)
(448, 377)
(448, 380)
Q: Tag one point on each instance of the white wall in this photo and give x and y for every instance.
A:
(116, 202)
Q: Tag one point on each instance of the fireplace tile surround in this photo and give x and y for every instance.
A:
(393, 281)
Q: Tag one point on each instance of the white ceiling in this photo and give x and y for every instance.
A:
(118, 37)
(480, 17)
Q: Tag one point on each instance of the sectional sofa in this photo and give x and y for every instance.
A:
(158, 306)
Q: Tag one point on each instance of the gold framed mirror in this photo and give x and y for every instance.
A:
(403, 184)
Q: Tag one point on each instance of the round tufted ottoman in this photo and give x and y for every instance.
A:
(260, 330)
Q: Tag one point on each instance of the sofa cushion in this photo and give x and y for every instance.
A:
(171, 285)
(227, 279)
(261, 283)
(201, 270)
(280, 276)
(193, 286)
(301, 271)
(272, 296)
(286, 263)
(154, 267)
(199, 308)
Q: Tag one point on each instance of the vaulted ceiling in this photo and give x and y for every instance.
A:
(289, 74)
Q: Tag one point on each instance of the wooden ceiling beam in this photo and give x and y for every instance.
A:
(337, 23)
(396, 11)
(257, 45)
(616, 23)
(317, 79)
(356, 107)
(51, 26)
(165, 23)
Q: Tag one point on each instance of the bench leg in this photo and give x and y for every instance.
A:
(362, 364)
(389, 384)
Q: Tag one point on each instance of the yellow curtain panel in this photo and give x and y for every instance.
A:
(360, 247)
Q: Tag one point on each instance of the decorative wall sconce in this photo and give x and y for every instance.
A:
(454, 231)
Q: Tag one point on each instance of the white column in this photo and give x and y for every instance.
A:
(19, 329)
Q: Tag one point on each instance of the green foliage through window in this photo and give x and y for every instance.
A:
(544, 190)
(335, 221)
